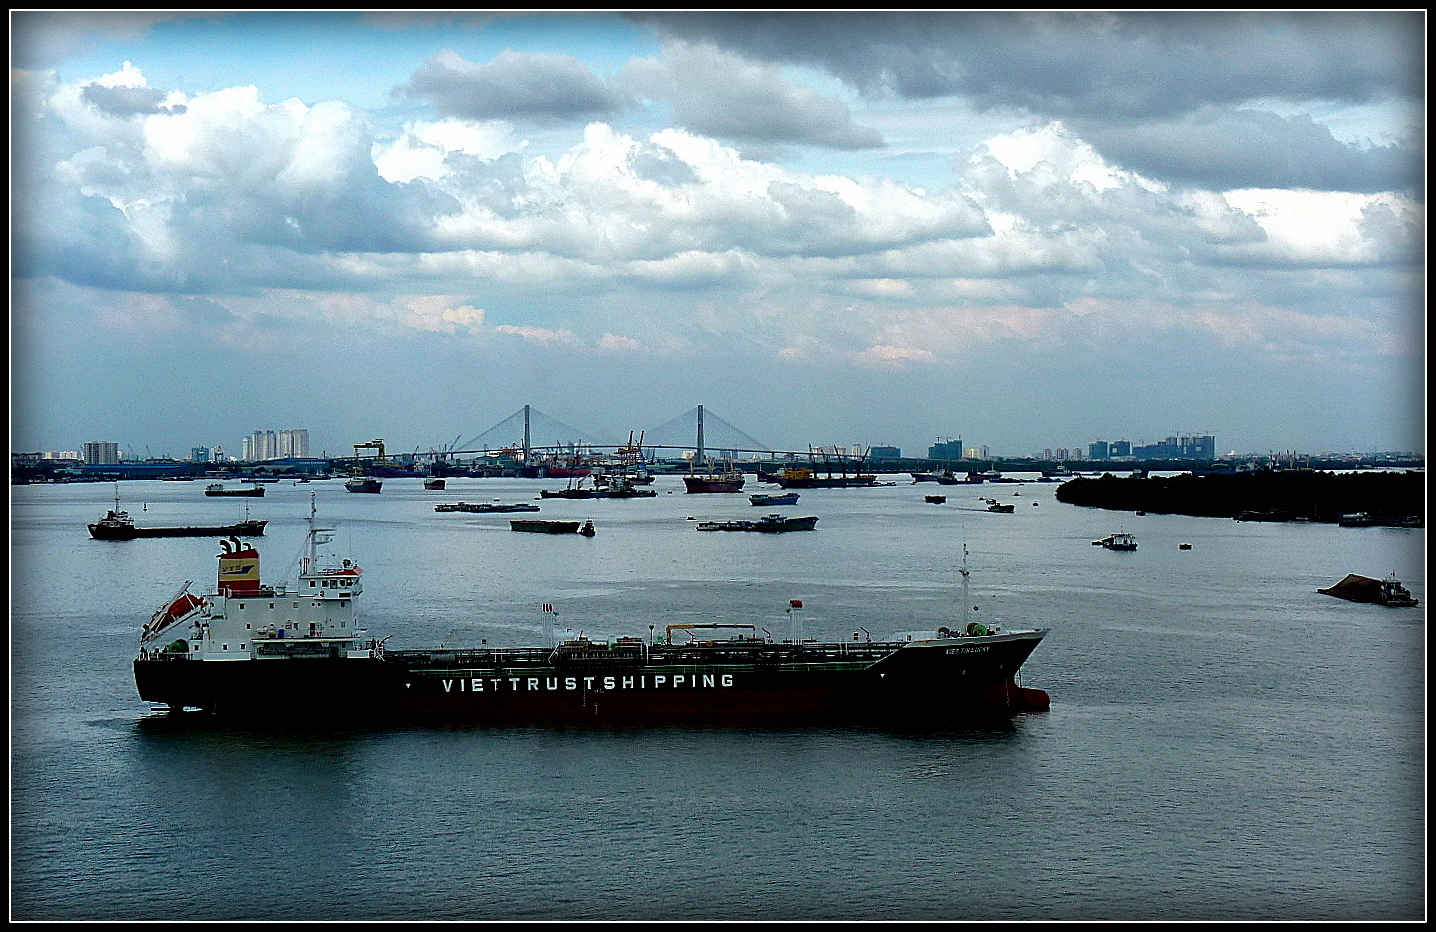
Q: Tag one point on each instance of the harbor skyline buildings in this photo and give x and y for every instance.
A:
(268, 446)
(264, 445)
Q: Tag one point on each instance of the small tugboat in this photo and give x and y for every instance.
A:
(215, 489)
(248, 650)
(1388, 591)
(997, 508)
(1120, 541)
(434, 485)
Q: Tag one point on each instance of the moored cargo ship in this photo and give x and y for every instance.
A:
(247, 650)
(804, 477)
(727, 481)
(118, 525)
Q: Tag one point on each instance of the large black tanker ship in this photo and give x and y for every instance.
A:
(261, 653)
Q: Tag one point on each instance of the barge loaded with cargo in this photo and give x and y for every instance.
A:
(252, 651)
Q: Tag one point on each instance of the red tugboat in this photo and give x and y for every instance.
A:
(254, 652)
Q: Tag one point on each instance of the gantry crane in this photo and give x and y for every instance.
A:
(370, 445)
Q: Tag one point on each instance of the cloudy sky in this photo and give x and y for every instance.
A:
(1029, 231)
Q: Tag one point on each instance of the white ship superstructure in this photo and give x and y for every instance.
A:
(243, 619)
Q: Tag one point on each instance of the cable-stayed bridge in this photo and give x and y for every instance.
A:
(698, 429)
(528, 430)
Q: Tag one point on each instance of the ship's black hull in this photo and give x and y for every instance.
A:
(944, 685)
(246, 528)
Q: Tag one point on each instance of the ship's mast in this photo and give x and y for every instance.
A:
(312, 548)
(966, 594)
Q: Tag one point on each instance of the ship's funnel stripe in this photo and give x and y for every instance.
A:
(239, 570)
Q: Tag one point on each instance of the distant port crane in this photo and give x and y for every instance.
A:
(370, 445)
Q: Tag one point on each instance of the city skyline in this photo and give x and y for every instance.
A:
(1174, 447)
(1036, 230)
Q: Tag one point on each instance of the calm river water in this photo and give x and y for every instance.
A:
(1224, 743)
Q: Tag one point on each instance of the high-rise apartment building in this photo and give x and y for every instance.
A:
(101, 453)
(292, 443)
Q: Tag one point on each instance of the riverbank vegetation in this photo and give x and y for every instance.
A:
(1274, 495)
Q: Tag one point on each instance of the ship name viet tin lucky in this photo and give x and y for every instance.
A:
(260, 653)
